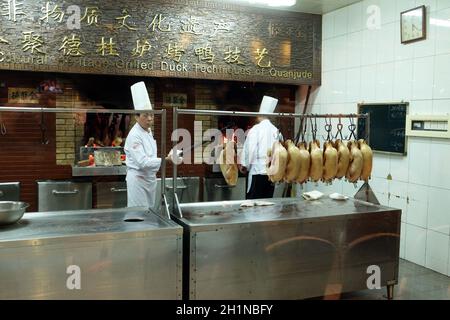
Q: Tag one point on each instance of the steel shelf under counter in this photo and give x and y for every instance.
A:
(116, 259)
(292, 250)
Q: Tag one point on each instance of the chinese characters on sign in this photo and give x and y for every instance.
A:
(22, 95)
(159, 38)
(32, 43)
(12, 9)
(71, 46)
(174, 100)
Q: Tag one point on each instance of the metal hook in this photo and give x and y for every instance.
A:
(339, 130)
(305, 125)
(313, 128)
(44, 139)
(328, 129)
(2, 127)
(352, 128)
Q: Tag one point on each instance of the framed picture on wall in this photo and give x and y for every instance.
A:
(413, 25)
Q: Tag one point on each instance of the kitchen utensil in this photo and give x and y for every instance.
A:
(12, 211)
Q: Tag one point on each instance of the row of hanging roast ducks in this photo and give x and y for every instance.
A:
(299, 163)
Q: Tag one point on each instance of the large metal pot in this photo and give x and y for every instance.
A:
(12, 211)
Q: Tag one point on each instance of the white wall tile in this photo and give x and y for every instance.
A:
(368, 84)
(381, 165)
(388, 11)
(441, 21)
(426, 47)
(402, 240)
(353, 85)
(369, 47)
(397, 197)
(403, 74)
(350, 189)
(415, 244)
(384, 87)
(429, 4)
(442, 4)
(328, 25)
(340, 53)
(328, 55)
(403, 5)
(440, 164)
(341, 21)
(437, 252)
(402, 51)
(448, 272)
(441, 107)
(419, 160)
(442, 77)
(399, 168)
(325, 88)
(423, 78)
(438, 213)
(354, 45)
(355, 17)
(385, 43)
(421, 107)
(366, 8)
(338, 88)
(379, 185)
(417, 205)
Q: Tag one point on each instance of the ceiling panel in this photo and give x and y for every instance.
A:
(308, 6)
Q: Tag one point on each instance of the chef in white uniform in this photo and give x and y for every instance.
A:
(141, 153)
(260, 138)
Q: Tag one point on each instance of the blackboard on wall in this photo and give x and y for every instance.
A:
(387, 126)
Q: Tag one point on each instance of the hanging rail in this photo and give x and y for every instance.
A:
(74, 110)
(175, 204)
(269, 115)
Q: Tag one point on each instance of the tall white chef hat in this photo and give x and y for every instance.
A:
(141, 100)
(268, 104)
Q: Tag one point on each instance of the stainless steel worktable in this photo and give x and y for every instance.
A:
(116, 259)
(294, 249)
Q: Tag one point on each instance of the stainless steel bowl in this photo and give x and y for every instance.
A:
(12, 211)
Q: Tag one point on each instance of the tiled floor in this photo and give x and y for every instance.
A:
(415, 283)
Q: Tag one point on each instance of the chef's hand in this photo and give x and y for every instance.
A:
(242, 169)
(175, 159)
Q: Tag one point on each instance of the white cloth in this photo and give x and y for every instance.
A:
(141, 100)
(259, 139)
(142, 165)
(268, 105)
(312, 195)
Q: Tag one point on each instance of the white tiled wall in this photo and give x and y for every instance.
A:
(371, 65)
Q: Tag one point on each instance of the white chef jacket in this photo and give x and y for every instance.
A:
(142, 166)
(260, 138)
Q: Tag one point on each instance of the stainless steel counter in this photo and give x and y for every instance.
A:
(117, 259)
(99, 171)
(292, 250)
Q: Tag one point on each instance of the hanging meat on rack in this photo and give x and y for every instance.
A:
(367, 159)
(356, 162)
(316, 170)
(343, 158)
(276, 162)
(330, 163)
(228, 166)
(292, 167)
(304, 163)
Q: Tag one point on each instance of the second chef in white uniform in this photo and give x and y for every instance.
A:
(260, 138)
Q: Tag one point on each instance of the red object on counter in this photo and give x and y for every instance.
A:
(91, 160)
